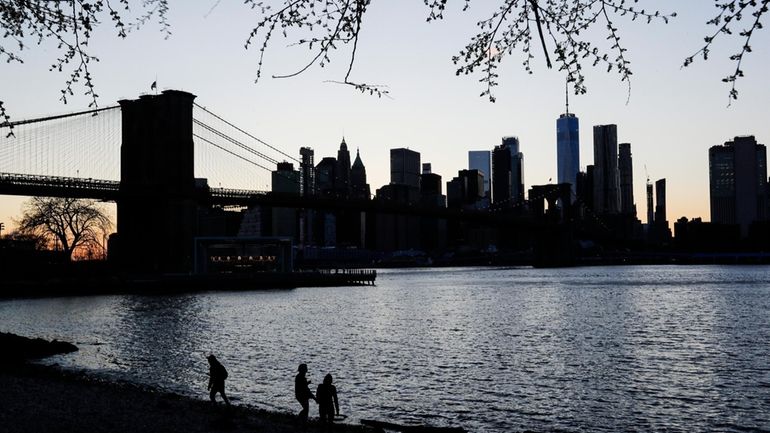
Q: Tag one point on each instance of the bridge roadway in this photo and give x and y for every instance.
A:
(109, 190)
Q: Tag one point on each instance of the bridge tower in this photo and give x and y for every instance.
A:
(157, 206)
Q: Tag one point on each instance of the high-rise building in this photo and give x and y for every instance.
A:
(660, 202)
(568, 149)
(481, 160)
(405, 167)
(430, 188)
(307, 170)
(359, 187)
(650, 216)
(738, 182)
(325, 176)
(342, 182)
(507, 173)
(286, 179)
(626, 172)
(606, 175)
(584, 186)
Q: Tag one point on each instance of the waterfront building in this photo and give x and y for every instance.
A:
(405, 167)
(568, 149)
(606, 175)
(626, 172)
(738, 182)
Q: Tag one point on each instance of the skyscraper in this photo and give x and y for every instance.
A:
(286, 179)
(606, 175)
(342, 183)
(567, 149)
(650, 215)
(405, 167)
(326, 173)
(481, 160)
(738, 182)
(307, 170)
(508, 172)
(359, 187)
(626, 171)
(660, 203)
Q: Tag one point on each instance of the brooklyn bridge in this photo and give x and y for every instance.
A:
(168, 162)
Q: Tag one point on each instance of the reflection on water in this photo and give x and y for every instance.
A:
(585, 349)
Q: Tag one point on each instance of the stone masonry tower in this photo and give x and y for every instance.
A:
(157, 206)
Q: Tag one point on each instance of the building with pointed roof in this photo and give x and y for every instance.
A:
(359, 188)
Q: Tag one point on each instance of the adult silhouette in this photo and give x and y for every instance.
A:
(302, 391)
(326, 396)
(217, 376)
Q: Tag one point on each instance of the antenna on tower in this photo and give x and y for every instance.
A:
(566, 93)
(647, 174)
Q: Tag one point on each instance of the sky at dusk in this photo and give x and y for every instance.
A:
(671, 119)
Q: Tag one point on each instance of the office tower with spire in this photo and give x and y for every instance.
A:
(738, 182)
(606, 174)
(342, 183)
(626, 172)
(359, 187)
(567, 147)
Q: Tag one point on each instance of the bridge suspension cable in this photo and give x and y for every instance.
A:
(60, 116)
(243, 158)
(248, 134)
(84, 144)
(234, 141)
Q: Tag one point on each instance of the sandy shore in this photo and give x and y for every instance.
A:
(46, 399)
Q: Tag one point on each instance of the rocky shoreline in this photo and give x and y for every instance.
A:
(38, 398)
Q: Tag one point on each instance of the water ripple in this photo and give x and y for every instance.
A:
(659, 348)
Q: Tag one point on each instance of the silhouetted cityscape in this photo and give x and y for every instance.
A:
(324, 214)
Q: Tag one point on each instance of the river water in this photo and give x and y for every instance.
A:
(645, 348)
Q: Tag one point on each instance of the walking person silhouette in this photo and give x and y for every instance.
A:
(302, 391)
(217, 376)
(326, 396)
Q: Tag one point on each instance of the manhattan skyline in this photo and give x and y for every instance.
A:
(672, 118)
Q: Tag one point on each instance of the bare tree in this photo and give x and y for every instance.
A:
(77, 226)
(69, 24)
(553, 27)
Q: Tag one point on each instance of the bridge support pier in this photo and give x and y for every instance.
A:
(157, 206)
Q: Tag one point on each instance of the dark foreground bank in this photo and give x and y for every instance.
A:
(46, 399)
